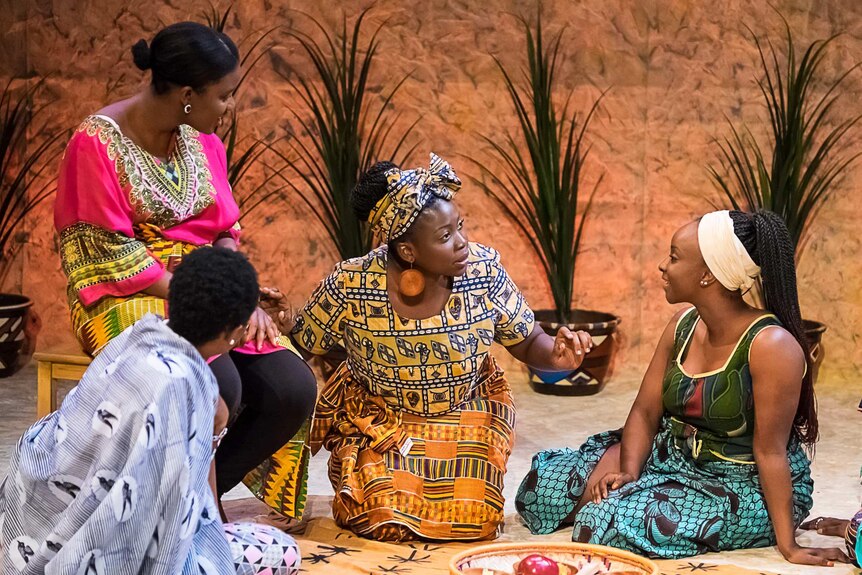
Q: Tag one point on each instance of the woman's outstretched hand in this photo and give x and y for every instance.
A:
(570, 348)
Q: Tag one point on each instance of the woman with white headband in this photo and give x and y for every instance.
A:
(711, 457)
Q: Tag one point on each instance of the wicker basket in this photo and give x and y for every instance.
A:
(613, 559)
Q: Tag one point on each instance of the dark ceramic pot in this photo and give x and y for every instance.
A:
(594, 372)
(13, 313)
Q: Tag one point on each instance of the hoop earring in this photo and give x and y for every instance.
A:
(187, 109)
(412, 282)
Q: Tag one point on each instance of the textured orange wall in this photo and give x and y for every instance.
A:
(675, 70)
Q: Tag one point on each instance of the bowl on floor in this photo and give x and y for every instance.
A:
(575, 559)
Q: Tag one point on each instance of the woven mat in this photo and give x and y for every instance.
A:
(327, 549)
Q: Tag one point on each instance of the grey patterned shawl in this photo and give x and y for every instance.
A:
(115, 481)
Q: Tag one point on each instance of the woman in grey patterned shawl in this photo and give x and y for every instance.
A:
(119, 479)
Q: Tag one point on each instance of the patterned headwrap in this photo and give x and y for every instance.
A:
(407, 193)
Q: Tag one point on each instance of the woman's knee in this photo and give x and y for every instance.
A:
(302, 385)
(283, 383)
(229, 383)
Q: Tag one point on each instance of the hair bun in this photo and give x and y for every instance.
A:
(141, 55)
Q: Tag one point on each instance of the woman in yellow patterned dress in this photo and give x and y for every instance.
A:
(419, 420)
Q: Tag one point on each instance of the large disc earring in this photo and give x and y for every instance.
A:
(412, 282)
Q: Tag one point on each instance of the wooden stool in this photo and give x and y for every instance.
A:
(53, 366)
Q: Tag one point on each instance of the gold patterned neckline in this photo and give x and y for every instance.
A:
(164, 196)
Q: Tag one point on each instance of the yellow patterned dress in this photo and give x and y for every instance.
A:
(419, 420)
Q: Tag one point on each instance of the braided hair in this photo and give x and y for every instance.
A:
(370, 188)
(766, 239)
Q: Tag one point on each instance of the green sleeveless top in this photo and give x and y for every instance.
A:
(712, 414)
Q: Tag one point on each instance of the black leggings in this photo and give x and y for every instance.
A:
(276, 391)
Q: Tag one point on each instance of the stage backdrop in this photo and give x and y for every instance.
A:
(674, 71)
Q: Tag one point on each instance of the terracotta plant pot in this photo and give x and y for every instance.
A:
(594, 372)
(13, 313)
(814, 330)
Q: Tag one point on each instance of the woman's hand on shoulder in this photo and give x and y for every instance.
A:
(275, 304)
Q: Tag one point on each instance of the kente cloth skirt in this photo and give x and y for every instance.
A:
(399, 476)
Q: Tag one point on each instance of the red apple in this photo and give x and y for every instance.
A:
(536, 564)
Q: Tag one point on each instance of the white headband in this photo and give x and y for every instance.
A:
(724, 254)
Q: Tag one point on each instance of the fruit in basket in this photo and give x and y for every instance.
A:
(536, 564)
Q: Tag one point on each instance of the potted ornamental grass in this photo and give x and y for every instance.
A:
(341, 130)
(540, 189)
(26, 180)
(796, 169)
(343, 127)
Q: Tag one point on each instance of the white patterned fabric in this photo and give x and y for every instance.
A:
(115, 481)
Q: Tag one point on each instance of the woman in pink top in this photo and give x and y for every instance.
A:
(144, 182)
